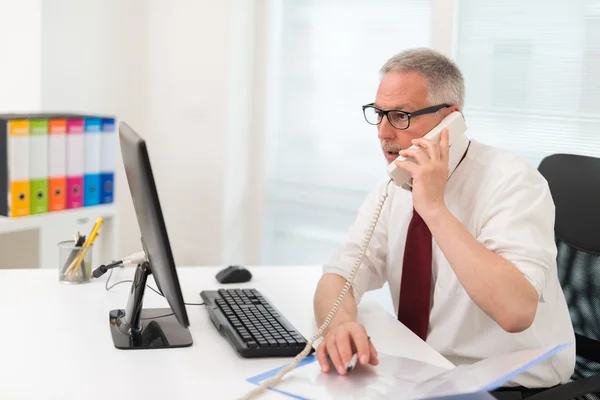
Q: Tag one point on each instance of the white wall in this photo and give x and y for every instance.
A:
(93, 60)
(20, 42)
(204, 136)
(187, 121)
(246, 134)
(181, 73)
(20, 91)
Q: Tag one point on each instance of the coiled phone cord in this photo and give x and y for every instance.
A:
(363, 249)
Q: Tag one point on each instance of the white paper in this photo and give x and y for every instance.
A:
(390, 379)
(403, 378)
(486, 374)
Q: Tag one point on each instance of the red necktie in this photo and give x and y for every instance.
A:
(415, 289)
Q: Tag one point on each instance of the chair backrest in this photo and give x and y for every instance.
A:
(574, 182)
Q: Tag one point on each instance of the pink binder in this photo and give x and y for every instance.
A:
(75, 162)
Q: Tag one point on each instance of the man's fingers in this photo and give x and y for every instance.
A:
(361, 342)
(344, 346)
(444, 145)
(334, 355)
(374, 360)
(430, 147)
(409, 166)
(418, 154)
(338, 347)
(322, 357)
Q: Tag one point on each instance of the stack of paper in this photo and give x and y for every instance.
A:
(404, 378)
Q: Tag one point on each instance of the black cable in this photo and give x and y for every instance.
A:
(115, 284)
(148, 286)
(159, 316)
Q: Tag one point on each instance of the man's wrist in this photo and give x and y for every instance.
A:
(337, 322)
(436, 215)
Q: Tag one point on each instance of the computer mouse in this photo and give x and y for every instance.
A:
(234, 274)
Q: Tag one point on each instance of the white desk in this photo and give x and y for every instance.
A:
(55, 341)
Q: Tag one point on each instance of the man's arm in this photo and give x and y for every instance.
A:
(328, 290)
(492, 282)
(344, 336)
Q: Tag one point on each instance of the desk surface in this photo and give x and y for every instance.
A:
(55, 341)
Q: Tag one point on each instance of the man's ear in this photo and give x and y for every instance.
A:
(449, 110)
(453, 108)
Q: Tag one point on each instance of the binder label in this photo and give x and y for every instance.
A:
(57, 127)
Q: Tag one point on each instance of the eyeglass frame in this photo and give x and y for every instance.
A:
(423, 111)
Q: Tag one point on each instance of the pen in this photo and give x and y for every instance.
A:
(78, 243)
(352, 363)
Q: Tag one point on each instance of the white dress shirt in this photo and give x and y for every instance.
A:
(506, 205)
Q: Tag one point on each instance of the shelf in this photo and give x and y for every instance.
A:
(8, 225)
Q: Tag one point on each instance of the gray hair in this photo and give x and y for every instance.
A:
(446, 83)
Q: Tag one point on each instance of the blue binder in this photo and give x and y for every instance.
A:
(107, 161)
(91, 177)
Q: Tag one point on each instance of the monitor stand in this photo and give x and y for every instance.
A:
(149, 328)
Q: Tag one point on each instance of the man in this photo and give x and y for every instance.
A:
(478, 277)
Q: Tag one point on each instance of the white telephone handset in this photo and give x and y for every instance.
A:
(456, 127)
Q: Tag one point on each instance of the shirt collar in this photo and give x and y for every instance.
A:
(458, 149)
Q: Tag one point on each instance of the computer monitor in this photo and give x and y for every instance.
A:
(136, 327)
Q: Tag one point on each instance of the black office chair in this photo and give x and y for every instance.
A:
(575, 186)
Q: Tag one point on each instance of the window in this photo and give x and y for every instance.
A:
(532, 75)
(324, 158)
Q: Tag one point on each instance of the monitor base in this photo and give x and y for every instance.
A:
(160, 330)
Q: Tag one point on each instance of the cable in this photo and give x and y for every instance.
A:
(114, 284)
(159, 316)
(277, 378)
(148, 286)
(135, 258)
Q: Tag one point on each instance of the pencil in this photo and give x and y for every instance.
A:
(76, 264)
(74, 253)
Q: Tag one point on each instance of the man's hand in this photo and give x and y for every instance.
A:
(341, 342)
(430, 173)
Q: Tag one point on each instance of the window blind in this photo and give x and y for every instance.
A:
(532, 75)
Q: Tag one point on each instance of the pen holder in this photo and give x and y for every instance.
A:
(74, 262)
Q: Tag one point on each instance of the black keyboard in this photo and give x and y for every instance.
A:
(251, 324)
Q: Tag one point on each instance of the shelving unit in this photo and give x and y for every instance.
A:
(54, 227)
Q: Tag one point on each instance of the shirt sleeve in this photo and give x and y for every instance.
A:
(518, 224)
(371, 274)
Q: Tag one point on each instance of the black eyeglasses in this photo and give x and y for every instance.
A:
(397, 118)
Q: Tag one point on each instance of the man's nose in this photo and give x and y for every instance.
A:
(385, 130)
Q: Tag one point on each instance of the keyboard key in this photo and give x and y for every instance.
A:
(252, 344)
(282, 343)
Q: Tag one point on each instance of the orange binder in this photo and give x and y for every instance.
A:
(57, 164)
(18, 167)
